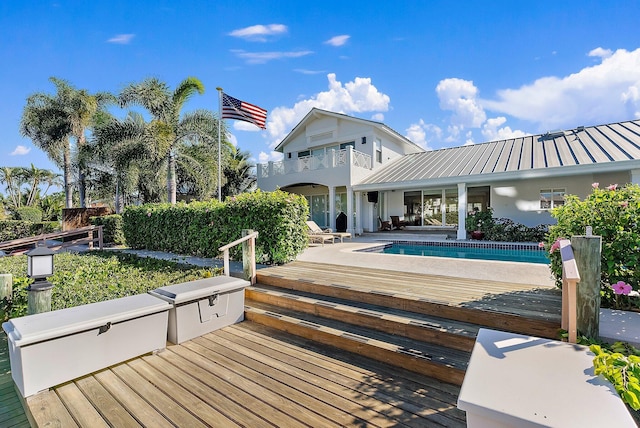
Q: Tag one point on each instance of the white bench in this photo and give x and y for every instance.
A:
(521, 381)
(51, 348)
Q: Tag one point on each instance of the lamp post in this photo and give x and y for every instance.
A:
(39, 267)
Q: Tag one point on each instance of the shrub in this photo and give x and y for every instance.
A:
(112, 228)
(15, 229)
(504, 229)
(200, 228)
(97, 276)
(614, 214)
(28, 214)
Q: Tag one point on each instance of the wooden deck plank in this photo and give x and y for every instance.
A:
(79, 406)
(136, 405)
(109, 407)
(370, 409)
(417, 409)
(184, 397)
(160, 401)
(344, 375)
(256, 384)
(48, 411)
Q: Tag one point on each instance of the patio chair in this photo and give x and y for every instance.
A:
(320, 238)
(317, 230)
(397, 223)
(384, 225)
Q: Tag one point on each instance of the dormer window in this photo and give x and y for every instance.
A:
(377, 145)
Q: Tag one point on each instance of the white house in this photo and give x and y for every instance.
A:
(368, 171)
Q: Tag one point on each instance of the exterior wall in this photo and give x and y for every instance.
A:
(520, 200)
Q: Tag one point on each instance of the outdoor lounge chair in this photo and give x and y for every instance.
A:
(321, 238)
(397, 223)
(317, 230)
(384, 225)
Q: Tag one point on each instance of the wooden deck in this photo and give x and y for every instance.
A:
(253, 376)
(11, 412)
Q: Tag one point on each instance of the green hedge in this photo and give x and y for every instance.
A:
(28, 214)
(200, 228)
(16, 229)
(113, 232)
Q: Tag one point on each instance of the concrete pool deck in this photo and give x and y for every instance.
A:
(347, 254)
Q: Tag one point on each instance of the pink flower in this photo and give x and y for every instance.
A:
(540, 244)
(555, 246)
(148, 213)
(624, 204)
(595, 185)
(621, 287)
(612, 187)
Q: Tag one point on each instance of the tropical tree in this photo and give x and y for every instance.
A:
(170, 131)
(51, 120)
(239, 173)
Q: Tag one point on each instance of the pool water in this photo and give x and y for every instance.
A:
(461, 251)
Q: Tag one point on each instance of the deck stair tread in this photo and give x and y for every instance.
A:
(397, 321)
(418, 349)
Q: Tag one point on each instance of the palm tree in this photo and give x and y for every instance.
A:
(170, 131)
(239, 173)
(50, 121)
(11, 179)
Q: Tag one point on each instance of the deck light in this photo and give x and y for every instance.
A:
(39, 267)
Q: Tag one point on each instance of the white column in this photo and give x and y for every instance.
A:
(359, 214)
(350, 211)
(462, 210)
(635, 176)
(332, 207)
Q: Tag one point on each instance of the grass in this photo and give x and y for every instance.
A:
(82, 278)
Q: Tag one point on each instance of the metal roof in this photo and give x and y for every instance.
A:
(524, 156)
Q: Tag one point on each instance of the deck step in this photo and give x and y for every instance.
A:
(486, 314)
(453, 334)
(439, 362)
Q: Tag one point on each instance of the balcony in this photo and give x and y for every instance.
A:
(332, 159)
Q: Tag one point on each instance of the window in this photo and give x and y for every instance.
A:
(345, 145)
(551, 198)
(378, 148)
(304, 153)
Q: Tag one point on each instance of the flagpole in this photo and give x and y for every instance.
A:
(219, 89)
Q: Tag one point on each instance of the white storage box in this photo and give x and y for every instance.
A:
(202, 306)
(51, 348)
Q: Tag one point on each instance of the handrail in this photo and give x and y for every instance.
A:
(570, 278)
(88, 230)
(248, 260)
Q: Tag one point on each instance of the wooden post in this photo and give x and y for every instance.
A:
(587, 250)
(6, 294)
(248, 257)
(39, 297)
(100, 237)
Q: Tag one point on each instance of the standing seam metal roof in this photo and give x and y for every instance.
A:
(582, 146)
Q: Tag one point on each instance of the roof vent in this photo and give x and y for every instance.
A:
(580, 129)
(550, 135)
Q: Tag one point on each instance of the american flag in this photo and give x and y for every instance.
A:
(233, 108)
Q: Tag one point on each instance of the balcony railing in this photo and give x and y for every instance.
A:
(332, 159)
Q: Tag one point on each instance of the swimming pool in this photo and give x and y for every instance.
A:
(524, 253)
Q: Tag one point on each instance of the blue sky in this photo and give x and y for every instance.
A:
(441, 73)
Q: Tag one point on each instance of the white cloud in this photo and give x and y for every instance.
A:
(305, 71)
(423, 134)
(264, 57)
(245, 126)
(379, 117)
(357, 96)
(121, 39)
(264, 157)
(491, 130)
(460, 96)
(259, 33)
(338, 40)
(598, 94)
(600, 52)
(20, 151)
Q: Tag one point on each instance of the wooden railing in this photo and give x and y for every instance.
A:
(248, 254)
(570, 279)
(86, 233)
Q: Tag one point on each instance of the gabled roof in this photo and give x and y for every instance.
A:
(316, 112)
(554, 153)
